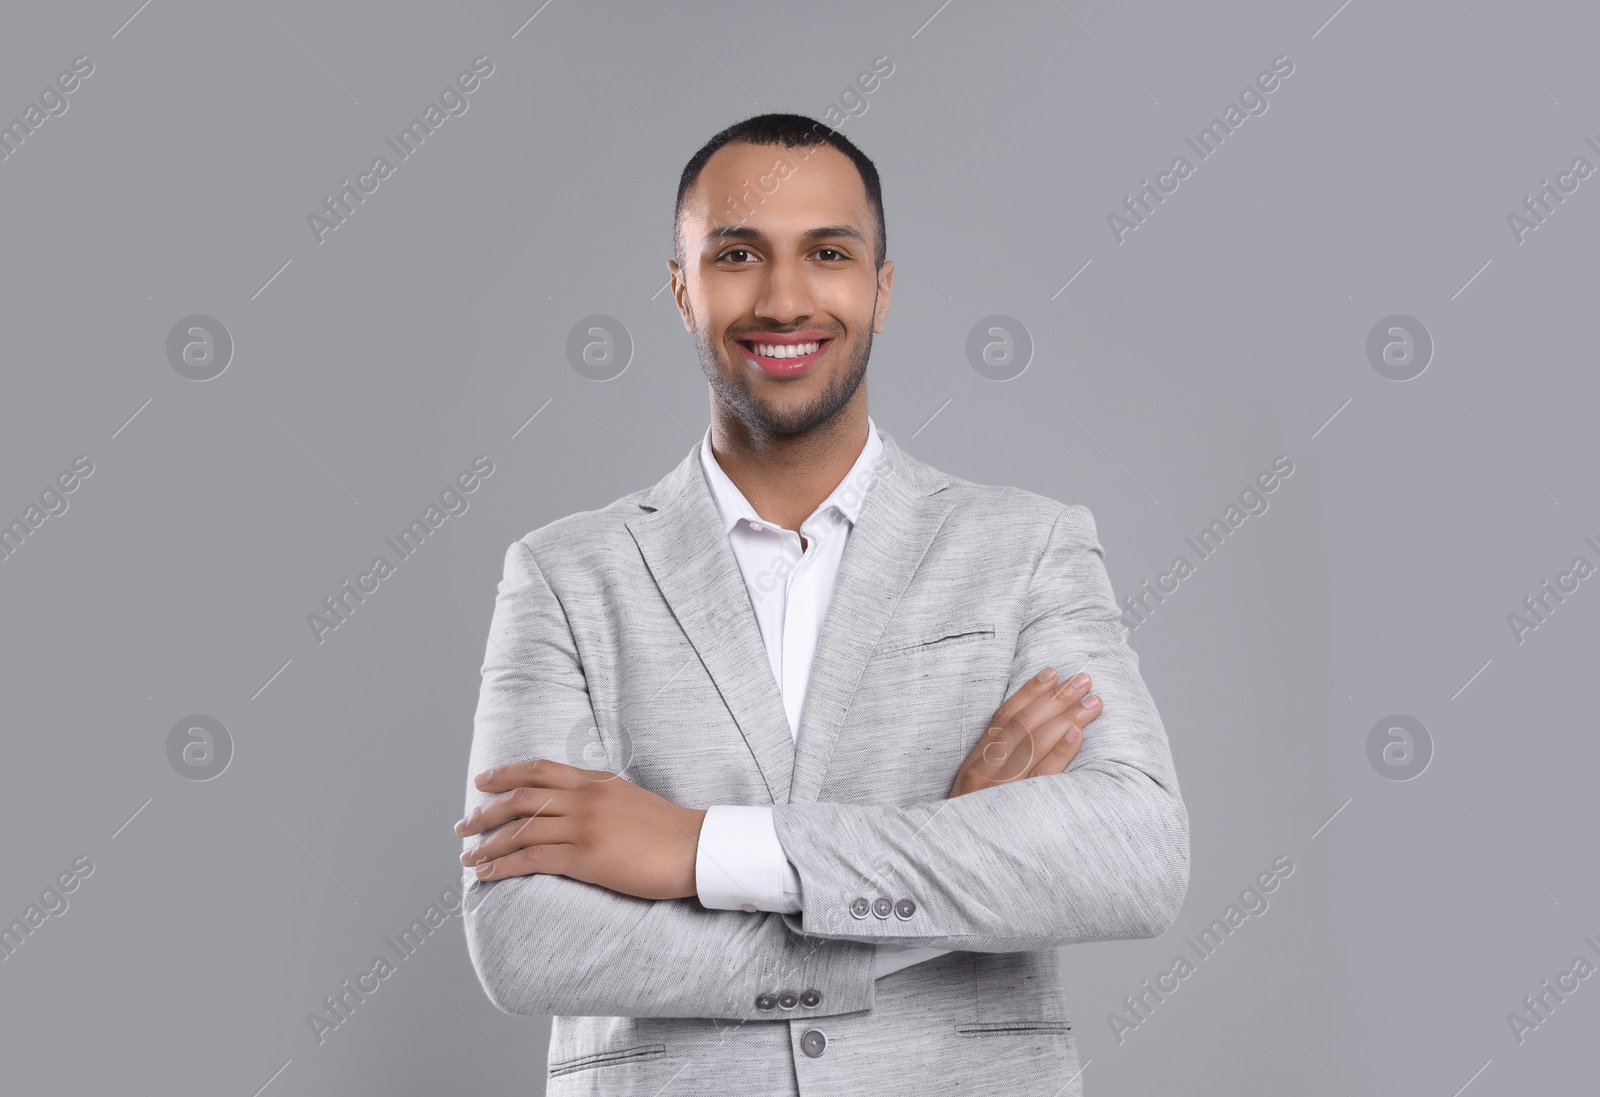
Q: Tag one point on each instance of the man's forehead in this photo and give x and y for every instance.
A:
(777, 191)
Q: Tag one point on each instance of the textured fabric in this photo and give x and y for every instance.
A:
(739, 864)
(626, 632)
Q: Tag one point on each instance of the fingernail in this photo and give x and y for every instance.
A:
(1079, 681)
(1091, 701)
(1073, 733)
(484, 870)
(1048, 674)
(460, 824)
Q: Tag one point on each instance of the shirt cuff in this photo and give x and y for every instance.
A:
(739, 864)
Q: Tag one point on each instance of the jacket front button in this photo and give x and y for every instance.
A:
(813, 1042)
(904, 909)
(881, 906)
(787, 999)
(765, 1001)
(809, 998)
(859, 906)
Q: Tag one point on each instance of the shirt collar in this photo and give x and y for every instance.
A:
(847, 496)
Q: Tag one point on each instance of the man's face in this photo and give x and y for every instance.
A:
(778, 249)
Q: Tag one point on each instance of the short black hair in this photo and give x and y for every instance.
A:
(789, 131)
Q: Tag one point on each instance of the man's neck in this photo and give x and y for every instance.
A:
(786, 477)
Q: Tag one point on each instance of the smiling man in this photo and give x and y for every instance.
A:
(775, 786)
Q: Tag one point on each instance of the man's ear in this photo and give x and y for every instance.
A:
(680, 295)
(885, 288)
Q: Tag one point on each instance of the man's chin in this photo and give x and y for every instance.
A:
(785, 422)
(793, 414)
(774, 405)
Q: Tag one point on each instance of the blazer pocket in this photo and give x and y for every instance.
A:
(608, 1058)
(1014, 1028)
(941, 635)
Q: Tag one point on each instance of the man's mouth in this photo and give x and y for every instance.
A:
(783, 356)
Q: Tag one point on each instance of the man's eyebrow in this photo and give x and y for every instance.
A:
(721, 233)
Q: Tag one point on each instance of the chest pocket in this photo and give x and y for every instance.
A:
(938, 637)
(923, 701)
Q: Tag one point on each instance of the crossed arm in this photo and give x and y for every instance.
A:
(544, 943)
(1097, 852)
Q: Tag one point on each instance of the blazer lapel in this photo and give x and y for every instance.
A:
(898, 520)
(688, 554)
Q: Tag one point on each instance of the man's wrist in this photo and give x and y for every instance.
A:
(695, 819)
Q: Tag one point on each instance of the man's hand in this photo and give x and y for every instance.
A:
(586, 824)
(1037, 731)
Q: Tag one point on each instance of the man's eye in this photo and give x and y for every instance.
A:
(736, 251)
(834, 251)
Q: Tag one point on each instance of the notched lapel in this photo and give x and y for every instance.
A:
(899, 518)
(689, 557)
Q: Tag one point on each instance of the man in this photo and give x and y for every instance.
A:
(809, 854)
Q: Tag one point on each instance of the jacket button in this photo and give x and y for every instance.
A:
(881, 906)
(765, 1001)
(813, 1042)
(859, 907)
(809, 998)
(904, 909)
(787, 999)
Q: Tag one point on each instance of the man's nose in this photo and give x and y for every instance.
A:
(786, 295)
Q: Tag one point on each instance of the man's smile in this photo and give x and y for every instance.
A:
(785, 355)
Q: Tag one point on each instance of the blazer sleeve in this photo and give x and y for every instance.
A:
(546, 944)
(1098, 852)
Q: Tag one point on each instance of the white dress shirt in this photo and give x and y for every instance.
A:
(739, 863)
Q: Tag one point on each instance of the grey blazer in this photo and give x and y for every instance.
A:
(623, 639)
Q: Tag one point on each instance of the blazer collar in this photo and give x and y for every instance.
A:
(685, 545)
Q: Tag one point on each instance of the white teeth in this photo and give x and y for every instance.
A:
(798, 350)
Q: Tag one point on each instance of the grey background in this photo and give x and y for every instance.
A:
(1227, 330)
